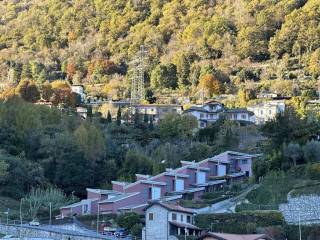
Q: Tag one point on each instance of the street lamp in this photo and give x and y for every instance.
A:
(7, 213)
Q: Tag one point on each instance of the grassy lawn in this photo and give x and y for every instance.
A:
(214, 197)
(307, 187)
(275, 187)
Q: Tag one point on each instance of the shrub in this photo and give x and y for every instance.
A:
(313, 171)
(238, 222)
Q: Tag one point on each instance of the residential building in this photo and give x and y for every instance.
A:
(79, 90)
(226, 236)
(212, 111)
(157, 111)
(82, 112)
(167, 221)
(190, 181)
(266, 111)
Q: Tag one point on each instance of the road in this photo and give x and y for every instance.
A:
(226, 206)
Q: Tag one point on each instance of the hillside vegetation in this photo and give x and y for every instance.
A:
(221, 43)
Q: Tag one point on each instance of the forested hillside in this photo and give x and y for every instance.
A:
(220, 43)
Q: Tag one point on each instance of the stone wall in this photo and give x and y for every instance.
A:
(307, 208)
(28, 231)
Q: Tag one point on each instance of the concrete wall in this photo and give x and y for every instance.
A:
(33, 232)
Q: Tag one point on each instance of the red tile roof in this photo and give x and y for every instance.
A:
(226, 236)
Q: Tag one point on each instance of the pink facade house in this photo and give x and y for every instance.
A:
(190, 181)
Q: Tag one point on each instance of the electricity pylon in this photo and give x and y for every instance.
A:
(137, 68)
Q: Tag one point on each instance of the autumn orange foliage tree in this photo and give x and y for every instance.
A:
(210, 85)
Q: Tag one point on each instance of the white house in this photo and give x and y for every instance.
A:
(79, 90)
(212, 111)
(267, 110)
(167, 221)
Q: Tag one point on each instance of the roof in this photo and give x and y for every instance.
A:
(143, 176)
(226, 236)
(211, 183)
(79, 203)
(238, 110)
(196, 109)
(133, 206)
(190, 190)
(119, 197)
(120, 183)
(171, 198)
(158, 105)
(102, 191)
(184, 225)
(234, 175)
(179, 175)
(171, 207)
(213, 102)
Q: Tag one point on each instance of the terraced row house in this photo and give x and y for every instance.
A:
(189, 181)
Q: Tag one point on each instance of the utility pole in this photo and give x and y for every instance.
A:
(50, 209)
(98, 219)
(299, 225)
(20, 217)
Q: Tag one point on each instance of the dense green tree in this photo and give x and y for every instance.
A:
(177, 126)
(28, 91)
(311, 151)
(164, 76)
(91, 140)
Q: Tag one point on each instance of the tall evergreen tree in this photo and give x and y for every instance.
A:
(26, 71)
(119, 117)
(109, 118)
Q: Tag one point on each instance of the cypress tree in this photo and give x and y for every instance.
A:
(119, 117)
(109, 118)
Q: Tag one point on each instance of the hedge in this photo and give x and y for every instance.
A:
(243, 222)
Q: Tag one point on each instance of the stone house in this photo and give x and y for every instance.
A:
(166, 221)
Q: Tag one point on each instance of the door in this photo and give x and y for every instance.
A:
(201, 177)
(156, 193)
(222, 170)
(179, 185)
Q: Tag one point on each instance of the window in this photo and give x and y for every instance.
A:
(201, 115)
(188, 219)
(243, 116)
(261, 112)
(85, 208)
(181, 218)
(244, 161)
(150, 216)
(174, 217)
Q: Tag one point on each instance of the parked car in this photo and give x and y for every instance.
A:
(121, 233)
(34, 223)
(109, 231)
